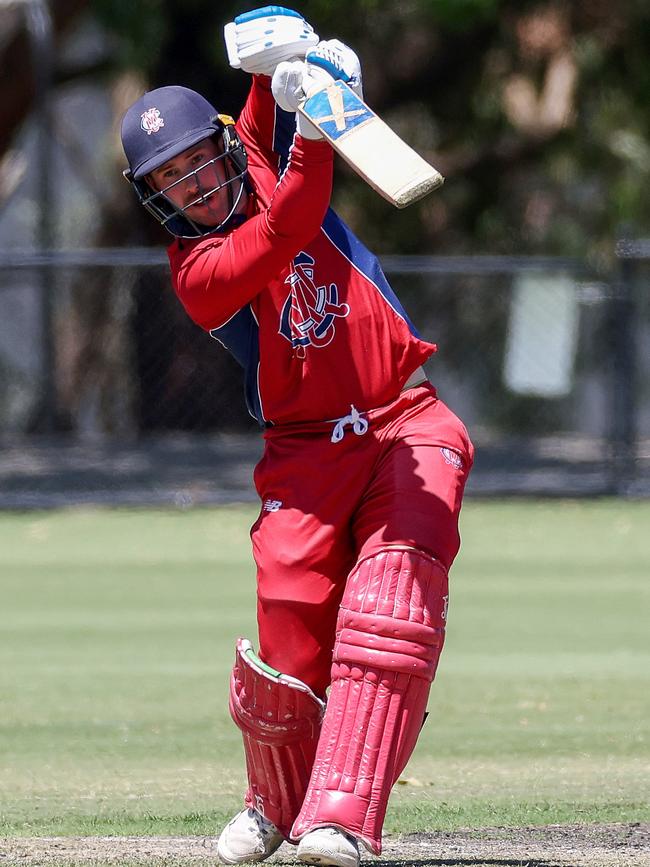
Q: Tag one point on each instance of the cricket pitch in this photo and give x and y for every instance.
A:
(602, 845)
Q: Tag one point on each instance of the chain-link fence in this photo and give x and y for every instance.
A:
(108, 392)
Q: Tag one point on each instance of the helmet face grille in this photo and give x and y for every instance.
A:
(176, 219)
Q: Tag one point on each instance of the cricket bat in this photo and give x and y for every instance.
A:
(369, 145)
(353, 129)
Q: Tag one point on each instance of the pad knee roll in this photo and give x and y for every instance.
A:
(390, 633)
(393, 614)
(280, 719)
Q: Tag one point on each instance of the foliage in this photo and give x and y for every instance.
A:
(535, 111)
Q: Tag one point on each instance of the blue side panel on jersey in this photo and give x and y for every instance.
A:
(335, 120)
(240, 336)
(365, 261)
(285, 127)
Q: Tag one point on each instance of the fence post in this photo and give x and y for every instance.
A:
(39, 27)
(623, 405)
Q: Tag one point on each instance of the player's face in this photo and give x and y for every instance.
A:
(191, 181)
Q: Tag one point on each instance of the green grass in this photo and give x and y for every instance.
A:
(117, 637)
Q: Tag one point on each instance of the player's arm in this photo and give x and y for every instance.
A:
(221, 275)
(263, 127)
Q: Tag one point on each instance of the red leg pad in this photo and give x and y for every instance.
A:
(280, 719)
(390, 633)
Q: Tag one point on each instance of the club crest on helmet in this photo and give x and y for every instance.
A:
(151, 120)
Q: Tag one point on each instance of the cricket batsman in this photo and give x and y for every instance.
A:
(364, 467)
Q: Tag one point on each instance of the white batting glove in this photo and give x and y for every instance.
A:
(340, 60)
(257, 41)
(292, 83)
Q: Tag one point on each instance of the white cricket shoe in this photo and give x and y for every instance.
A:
(248, 837)
(329, 846)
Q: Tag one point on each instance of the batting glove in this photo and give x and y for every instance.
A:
(292, 83)
(339, 60)
(257, 41)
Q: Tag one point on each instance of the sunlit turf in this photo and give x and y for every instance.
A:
(117, 636)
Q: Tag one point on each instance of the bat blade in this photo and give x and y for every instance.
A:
(370, 146)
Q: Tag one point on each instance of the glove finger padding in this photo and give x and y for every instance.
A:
(291, 83)
(344, 62)
(265, 63)
(257, 41)
(287, 84)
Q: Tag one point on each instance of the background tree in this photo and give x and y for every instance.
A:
(535, 111)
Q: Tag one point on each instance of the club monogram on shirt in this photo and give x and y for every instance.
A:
(310, 312)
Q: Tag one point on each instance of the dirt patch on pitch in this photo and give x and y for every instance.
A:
(615, 845)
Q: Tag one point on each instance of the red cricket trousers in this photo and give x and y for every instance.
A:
(327, 504)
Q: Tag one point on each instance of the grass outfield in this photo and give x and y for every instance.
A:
(117, 638)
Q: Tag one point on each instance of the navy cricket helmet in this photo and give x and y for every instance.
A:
(161, 125)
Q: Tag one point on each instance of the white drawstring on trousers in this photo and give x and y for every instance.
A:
(359, 425)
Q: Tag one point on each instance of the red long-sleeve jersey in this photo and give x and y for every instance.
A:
(291, 292)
